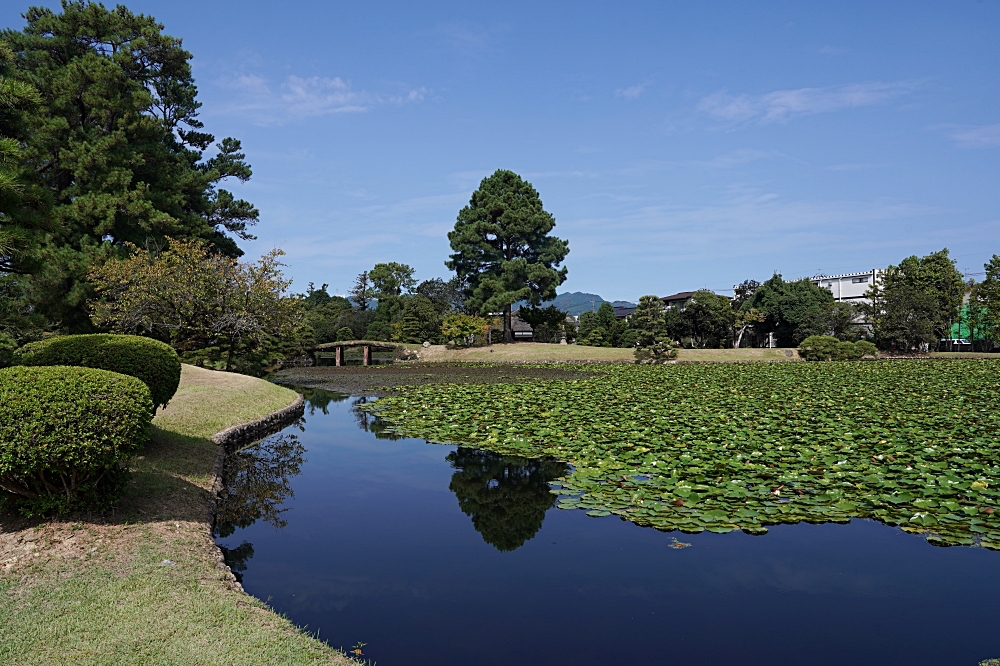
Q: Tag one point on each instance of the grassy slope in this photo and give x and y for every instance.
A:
(95, 591)
(538, 352)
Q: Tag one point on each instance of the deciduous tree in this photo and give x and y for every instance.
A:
(196, 300)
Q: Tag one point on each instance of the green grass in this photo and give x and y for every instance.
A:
(535, 352)
(95, 591)
(725, 446)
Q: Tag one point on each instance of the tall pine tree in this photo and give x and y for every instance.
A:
(503, 250)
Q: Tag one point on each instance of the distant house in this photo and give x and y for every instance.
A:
(848, 287)
(677, 300)
(522, 330)
(623, 312)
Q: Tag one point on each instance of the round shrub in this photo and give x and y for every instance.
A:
(847, 351)
(64, 429)
(819, 348)
(151, 361)
(866, 348)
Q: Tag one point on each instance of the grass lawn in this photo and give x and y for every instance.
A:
(99, 589)
(535, 352)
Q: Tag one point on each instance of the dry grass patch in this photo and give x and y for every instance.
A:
(144, 584)
(536, 352)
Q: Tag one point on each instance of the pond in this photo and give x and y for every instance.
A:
(434, 554)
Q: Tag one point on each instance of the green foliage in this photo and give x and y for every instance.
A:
(63, 430)
(345, 333)
(463, 329)
(391, 279)
(988, 299)
(829, 348)
(819, 348)
(606, 316)
(323, 313)
(649, 324)
(546, 323)
(503, 250)
(420, 321)
(915, 303)
(706, 320)
(215, 306)
(744, 446)
(7, 347)
(379, 330)
(116, 145)
(791, 310)
(152, 362)
(866, 348)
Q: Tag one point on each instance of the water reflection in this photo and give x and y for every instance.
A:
(370, 422)
(317, 398)
(506, 496)
(256, 482)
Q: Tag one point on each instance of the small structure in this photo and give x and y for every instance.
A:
(521, 329)
(848, 287)
(336, 350)
(677, 300)
(623, 312)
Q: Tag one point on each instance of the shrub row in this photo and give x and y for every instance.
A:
(829, 348)
(64, 430)
(151, 361)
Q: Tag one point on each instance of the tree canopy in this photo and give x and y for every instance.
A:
(115, 146)
(503, 249)
(787, 306)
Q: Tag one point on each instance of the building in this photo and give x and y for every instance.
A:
(521, 329)
(623, 312)
(677, 300)
(848, 287)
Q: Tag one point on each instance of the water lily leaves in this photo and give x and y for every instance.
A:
(696, 447)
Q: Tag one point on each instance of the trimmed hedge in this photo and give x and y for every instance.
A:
(151, 361)
(829, 348)
(62, 429)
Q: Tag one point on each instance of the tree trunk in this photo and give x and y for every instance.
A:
(229, 359)
(508, 332)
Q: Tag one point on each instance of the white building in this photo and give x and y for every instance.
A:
(848, 287)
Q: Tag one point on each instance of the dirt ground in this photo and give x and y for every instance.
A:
(379, 380)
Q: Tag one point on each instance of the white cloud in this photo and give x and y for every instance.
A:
(782, 105)
(985, 136)
(303, 97)
(631, 92)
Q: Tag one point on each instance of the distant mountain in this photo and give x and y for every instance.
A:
(577, 302)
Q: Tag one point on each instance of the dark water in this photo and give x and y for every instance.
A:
(441, 555)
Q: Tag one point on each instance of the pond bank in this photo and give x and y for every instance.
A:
(143, 583)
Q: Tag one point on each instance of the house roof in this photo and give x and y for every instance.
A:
(679, 296)
(622, 312)
(518, 325)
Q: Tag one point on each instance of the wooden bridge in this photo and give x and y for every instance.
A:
(336, 349)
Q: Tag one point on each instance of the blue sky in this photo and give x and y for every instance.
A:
(679, 146)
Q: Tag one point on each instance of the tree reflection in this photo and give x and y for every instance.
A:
(369, 422)
(506, 496)
(317, 398)
(256, 482)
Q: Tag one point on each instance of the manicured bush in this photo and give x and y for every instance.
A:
(828, 348)
(847, 351)
(151, 361)
(819, 348)
(64, 431)
(345, 333)
(866, 348)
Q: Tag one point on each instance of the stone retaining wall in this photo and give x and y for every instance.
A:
(234, 438)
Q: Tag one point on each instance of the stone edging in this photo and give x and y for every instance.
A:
(233, 438)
